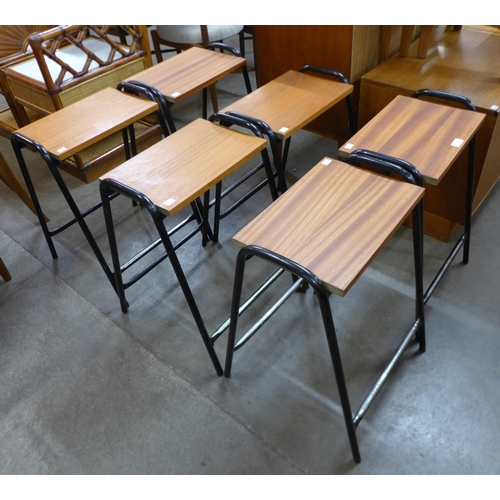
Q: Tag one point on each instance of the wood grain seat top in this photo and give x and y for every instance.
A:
(430, 136)
(188, 72)
(333, 221)
(291, 101)
(76, 127)
(184, 165)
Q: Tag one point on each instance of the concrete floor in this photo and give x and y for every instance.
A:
(86, 389)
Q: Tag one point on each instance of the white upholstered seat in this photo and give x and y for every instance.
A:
(191, 34)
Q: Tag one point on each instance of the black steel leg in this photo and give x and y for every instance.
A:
(186, 290)
(113, 248)
(469, 199)
(326, 314)
(29, 184)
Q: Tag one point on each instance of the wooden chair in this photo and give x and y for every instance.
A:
(425, 38)
(351, 214)
(69, 63)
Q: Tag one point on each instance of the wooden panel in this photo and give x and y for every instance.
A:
(184, 165)
(364, 50)
(333, 221)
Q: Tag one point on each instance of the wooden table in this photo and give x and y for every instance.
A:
(325, 230)
(429, 136)
(68, 131)
(166, 178)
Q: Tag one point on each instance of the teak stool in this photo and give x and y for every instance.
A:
(60, 135)
(293, 100)
(191, 71)
(166, 178)
(431, 137)
(325, 230)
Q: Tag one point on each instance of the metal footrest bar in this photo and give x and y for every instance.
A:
(385, 374)
(243, 199)
(268, 314)
(248, 303)
(153, 245)
(444, 268)
(69, 223)
(159, 259)
(239, 182)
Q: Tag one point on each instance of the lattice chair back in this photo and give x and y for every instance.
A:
(72, 62)
(14, 48)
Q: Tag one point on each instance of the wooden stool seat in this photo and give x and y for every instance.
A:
(189, 72)
(183, 166)
(332, 210)
(291, 101)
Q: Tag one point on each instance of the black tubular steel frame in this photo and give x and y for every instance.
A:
(304, 276)
(464, 240)
(256, 127)
(108, 187)
(20, 141)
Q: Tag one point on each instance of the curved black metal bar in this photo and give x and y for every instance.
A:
(336, 74)
(386, 163)
(273, 142)
(447, 96)
(153, 94)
